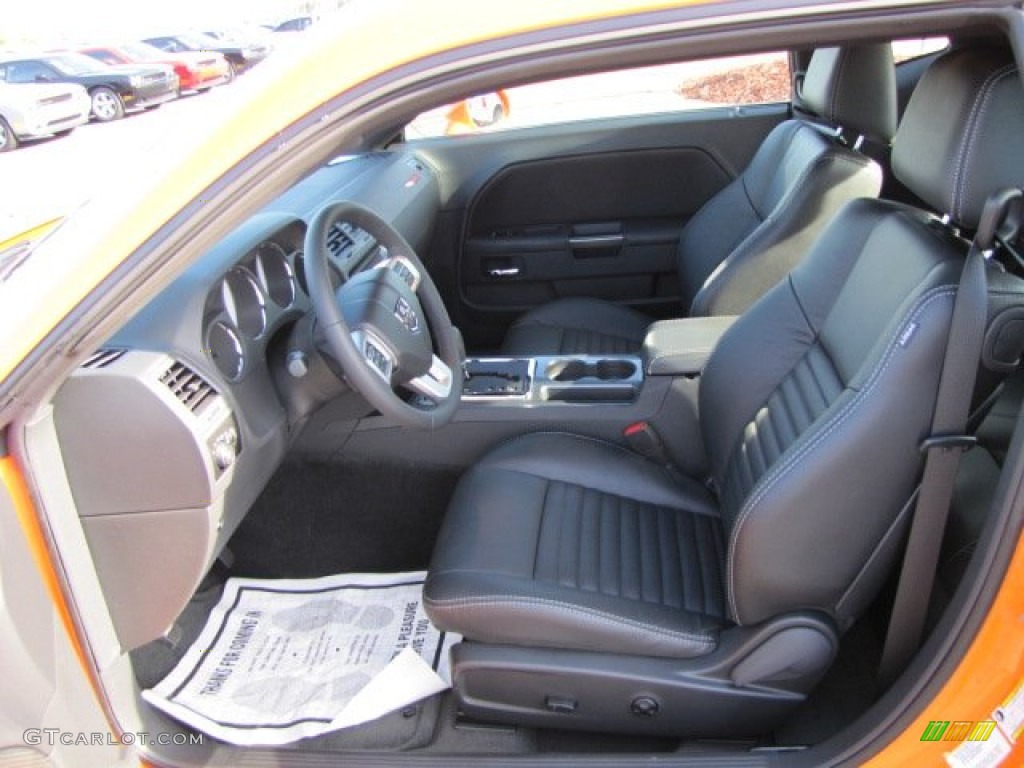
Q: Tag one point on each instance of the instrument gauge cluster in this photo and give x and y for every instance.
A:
(247, 304)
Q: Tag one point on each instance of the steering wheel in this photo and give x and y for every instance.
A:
(376, 325)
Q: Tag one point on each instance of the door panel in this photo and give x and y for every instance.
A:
(580, 209)
(591, 225)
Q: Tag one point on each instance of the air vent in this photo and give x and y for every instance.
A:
(101, 358)
(188, 386)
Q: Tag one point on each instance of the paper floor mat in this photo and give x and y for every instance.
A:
(286, 659)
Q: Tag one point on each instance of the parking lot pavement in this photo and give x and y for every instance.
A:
(45, 179)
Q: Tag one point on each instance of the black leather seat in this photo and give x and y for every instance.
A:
(596, 589)
(752, 233)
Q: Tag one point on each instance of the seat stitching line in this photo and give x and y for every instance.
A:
(486, 600)
(689, 353)
(968, 180)
(769, 480)
(965, 140)
(540, 527)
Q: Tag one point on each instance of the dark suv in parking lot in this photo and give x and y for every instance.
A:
(112, 89)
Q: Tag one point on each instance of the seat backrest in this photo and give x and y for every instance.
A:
(753, 232)
(815, 402)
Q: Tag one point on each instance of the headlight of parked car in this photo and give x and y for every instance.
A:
(135, 80)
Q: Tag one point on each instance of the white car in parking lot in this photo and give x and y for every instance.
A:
(29, 111)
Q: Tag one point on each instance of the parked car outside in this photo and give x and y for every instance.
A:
(113, 90)
(31, 110)
(249, 34)
(240, 55)
(298, 24)
(196, 70)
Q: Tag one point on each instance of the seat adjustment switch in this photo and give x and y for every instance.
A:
(644, 706)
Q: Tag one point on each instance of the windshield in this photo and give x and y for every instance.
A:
(74, 64)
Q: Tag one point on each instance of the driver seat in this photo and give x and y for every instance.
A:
(596, 589)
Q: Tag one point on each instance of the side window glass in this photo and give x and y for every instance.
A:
(906, 50)
(24, 72)
(105, 56)
(685, 86)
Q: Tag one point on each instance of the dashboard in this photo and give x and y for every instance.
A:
(180, 414)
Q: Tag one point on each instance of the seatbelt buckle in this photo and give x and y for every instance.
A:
(962, 443)
(644, 439)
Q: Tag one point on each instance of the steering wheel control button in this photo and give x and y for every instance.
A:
(645, 706)
(374, 353)
(376, 357)
(406, 271)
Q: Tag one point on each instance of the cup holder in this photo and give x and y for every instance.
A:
(615, 369)
(606, 370)
(567, 370)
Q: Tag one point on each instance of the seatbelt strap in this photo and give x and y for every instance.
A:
(947, 443)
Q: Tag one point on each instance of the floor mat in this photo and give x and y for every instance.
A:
(316, 518)
(280, 660)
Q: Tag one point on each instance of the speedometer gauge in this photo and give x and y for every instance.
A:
(243, 301)
(226, 349)
(275, 273)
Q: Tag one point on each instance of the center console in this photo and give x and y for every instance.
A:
(647, 401)
(555, 379)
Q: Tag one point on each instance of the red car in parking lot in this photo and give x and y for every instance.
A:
(196, 70)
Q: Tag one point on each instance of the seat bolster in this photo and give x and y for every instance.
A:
(486, 607)
(601, 466)
(577, 326)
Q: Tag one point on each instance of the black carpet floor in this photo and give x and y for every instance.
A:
(317, 519)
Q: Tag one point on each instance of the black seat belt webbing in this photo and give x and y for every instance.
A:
(944, 447)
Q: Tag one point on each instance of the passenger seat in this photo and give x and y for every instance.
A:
(752, 233)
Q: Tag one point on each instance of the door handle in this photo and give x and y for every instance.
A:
(588, 242)
(503, 272)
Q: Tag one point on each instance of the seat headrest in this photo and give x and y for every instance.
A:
(960, 139)
(853, 87)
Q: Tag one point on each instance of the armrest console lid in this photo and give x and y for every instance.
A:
(682, 347)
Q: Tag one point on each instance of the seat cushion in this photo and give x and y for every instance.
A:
(557, 540)
(577, 327)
